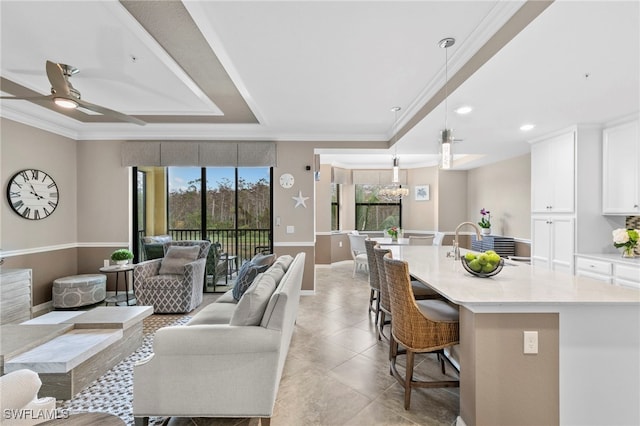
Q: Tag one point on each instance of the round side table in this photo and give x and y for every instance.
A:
(117, 269)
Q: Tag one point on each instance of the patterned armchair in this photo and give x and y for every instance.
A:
(174, 283)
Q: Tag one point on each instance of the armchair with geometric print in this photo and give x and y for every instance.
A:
(174, 283)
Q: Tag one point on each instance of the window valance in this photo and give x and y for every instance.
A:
(200, 154)
(377, 177)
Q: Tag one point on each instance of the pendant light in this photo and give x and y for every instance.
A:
(446, 135)
(394, 192)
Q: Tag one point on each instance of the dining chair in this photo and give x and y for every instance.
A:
(437, 239)
(358, 251)
(374, 282)
(426, 326)
(384, 315)
(421, 240)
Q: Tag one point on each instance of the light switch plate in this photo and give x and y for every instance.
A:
(530, 342)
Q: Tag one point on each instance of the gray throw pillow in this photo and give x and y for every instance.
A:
(263, 259)
(175, 259)
(250, 308)
(247, 273)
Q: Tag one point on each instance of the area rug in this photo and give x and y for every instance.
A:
(113, 392)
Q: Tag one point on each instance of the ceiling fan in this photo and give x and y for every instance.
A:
(66, 96)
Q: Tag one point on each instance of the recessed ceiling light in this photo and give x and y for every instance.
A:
(464, 110)
(527, 127)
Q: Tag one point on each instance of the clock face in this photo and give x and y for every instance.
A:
(286, 180)
(32, 194)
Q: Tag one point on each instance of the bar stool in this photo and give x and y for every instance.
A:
(429, 326)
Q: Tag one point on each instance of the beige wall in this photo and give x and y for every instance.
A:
(504, 188)
(451, 200)
(24, 147)
(104, 194)
(512, 386)
(420, 215)
(323, 199)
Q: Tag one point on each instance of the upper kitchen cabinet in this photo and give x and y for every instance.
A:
(621, 170)
(553, 174)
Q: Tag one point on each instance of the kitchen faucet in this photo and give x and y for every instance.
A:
(456, 246)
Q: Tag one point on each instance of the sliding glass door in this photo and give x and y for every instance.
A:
(231, 207)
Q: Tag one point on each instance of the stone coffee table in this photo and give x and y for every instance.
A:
(99, 339)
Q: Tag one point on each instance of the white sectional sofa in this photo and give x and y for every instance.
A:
(219, 365)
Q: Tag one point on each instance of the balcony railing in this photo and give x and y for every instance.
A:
(244, 243)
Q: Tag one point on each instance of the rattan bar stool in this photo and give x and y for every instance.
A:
(374, 282)
(430, 326)
(385, 303)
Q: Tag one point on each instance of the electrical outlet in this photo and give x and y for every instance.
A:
(530, 342)
(291, 229)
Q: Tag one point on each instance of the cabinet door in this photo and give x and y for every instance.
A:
(563, 174)
(541, 242)
(562, 237)
(541, 187)
(553, 175)
(620, 169)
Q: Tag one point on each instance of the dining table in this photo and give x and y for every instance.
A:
(585, 368)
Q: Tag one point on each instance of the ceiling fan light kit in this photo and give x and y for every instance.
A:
(64, 95)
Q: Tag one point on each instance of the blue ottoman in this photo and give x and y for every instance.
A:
(79, 290)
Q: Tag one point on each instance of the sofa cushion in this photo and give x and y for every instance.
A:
(250, 308)
(247, 273)
(214, 313)
(227, 297)
(175, 259)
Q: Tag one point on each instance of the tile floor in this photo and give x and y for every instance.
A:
(337, 372)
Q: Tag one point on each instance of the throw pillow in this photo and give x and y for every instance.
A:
(263, 259)
(247, 273)
(175, 259)
(250, 308)
(285, 261)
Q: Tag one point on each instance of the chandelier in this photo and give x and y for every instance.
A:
(393, 193)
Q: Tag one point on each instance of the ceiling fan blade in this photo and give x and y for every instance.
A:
(27, 98)
(57, 79)
(106, 111)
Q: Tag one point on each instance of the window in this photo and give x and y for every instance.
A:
(373, 214)
(225, 205)
(335, 207)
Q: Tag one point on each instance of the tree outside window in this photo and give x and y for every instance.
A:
(372, 214)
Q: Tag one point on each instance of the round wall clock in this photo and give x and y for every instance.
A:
(32, 194)
(286, 180)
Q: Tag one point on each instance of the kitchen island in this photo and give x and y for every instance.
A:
(587, 367)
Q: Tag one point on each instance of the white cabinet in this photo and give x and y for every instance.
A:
(552, 242)
(621, 170)
(627, 275)
(597, 269)
(553, 174)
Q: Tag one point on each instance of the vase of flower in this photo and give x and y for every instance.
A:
(627, 240)
(628, 252)
(485, 222)
(393, 233)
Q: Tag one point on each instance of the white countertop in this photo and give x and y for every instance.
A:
(611, 257)
(516, 284)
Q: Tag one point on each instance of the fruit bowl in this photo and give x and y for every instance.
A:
(489, 269)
